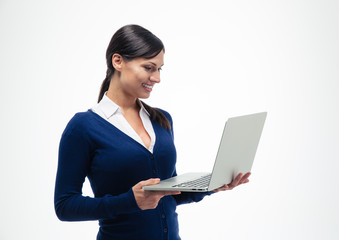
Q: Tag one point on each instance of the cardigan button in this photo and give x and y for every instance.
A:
(152, 157)
(165, 230)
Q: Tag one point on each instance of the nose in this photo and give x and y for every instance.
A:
(155, 77)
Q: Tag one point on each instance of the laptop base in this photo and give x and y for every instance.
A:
(176, 183)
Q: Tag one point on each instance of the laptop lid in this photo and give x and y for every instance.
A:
(237, 148)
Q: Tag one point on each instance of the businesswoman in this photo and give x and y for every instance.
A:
(121, 145)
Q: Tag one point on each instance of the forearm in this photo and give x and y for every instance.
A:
(75, 207)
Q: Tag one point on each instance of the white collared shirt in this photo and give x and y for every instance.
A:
(110, 111)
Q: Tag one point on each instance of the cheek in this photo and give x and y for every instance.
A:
(140, 76)
(134, 78)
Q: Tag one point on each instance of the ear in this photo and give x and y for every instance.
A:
(117, 61)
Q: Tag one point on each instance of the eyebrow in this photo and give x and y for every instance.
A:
(155, 64)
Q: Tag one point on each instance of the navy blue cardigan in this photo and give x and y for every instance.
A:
(92, 147)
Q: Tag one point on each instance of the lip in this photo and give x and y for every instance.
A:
(147, 87)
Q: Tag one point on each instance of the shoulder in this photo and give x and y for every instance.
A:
(81, 122)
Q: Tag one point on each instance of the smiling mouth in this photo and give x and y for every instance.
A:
(148, 87)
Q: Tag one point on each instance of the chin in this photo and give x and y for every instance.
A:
(144, 96)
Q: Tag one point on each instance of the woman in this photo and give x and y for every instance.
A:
(121, 145)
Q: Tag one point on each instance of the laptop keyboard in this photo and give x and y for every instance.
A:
(197, 183)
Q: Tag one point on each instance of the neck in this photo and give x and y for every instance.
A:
(122, 99)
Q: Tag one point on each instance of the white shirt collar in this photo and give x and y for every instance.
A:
(109, 108)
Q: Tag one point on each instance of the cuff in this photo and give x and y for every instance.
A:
(123, 204)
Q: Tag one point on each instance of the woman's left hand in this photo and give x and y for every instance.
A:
(240, 179)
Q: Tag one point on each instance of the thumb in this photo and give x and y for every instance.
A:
(151, 181)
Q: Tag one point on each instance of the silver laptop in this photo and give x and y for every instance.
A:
(236, 153)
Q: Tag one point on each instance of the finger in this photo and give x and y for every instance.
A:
(223, 188)
(245, 179)
(247, 175)
(235, 181)
(239, 176)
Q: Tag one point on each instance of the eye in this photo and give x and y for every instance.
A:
(148, 68)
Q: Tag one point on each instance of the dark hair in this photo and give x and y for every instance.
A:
(133, 41)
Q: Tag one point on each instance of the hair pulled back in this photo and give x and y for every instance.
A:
(134, 41)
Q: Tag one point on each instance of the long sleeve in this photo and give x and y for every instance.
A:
(75, 154)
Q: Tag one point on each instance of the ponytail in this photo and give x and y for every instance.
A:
(105, 84)
(157, 116)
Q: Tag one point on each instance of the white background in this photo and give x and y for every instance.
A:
(223, 59)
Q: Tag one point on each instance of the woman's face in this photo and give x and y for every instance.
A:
(138, 76)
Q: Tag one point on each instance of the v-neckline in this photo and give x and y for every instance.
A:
(134, 132)
(124, 134)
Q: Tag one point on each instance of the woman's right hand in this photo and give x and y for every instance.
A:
(149, 199)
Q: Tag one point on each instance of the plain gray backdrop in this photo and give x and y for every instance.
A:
(223, 59)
